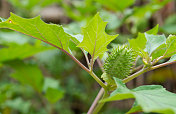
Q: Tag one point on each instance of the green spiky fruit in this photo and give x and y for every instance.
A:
(119, 62)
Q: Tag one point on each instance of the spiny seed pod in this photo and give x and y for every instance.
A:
(119, 62)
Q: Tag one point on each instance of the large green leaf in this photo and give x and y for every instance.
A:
(95, 39)
(27, 74)
(35, 27)
(151, 98)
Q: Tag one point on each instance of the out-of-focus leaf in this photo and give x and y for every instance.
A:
(151, 98)
(52, 90)
(112, 19)
(117, 4)
(147, 10)
(20, 51)
(19, 105)
(170, 25)
(50, 83)
(2, 19)
(53, 94)
(6, 38)
(35, 27)
(95, 39)
(27, 74)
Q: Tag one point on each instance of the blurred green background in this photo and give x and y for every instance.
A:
(38, 79)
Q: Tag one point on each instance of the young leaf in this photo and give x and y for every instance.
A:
(151, 98)
(170, 45)
(95, 39)
(154, 41)
(35, 27)
(139, 44)
(173, 58)
(167, 49)
(154, 30)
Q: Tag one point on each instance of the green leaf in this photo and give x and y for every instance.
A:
(173, 58)
(20, 51)
(151, 98)
(50, 83)
(52, 90)
(35, 27)
(95, 39)
(27, 74)
(140, 43)
(170, 45)
(170, 25)
(117, 4)
(53, 95)
(154, 30)
(135, 108)
(154, 41)
(167, 49)
(19, 104)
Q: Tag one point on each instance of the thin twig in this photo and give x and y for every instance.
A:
(95, 102)
(98, 80)
(86, 57)
(129, 78)
(162, 65)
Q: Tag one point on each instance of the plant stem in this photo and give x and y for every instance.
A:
(129, 78)
(135, 75)
(86, 57)
(98, 80)
(95, 102)
(162, 65)
(100, 105)
(95, 108)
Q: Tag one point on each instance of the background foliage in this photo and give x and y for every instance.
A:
(37, 78)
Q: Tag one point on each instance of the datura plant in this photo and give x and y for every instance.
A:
(119, 67)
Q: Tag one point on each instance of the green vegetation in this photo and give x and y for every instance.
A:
(40, 75)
